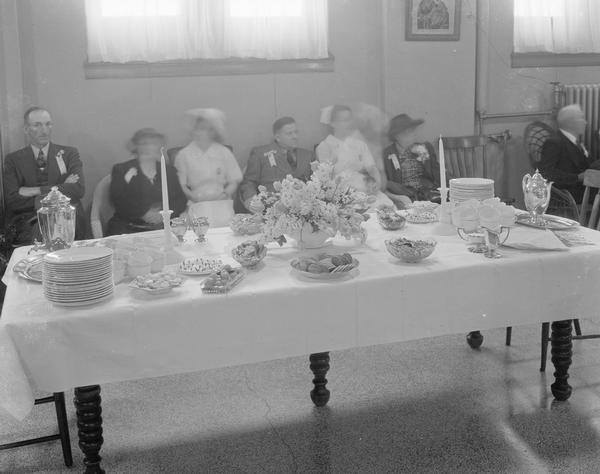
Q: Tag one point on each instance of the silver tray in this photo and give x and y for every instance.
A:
(550, 222)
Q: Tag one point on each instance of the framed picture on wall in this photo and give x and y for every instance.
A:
(433, 20)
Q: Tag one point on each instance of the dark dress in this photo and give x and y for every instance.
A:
(133, 199)
(417, 180)
(562, 161)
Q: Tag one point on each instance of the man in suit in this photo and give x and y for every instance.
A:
(273, 162)
(564, 157)
(30, 172)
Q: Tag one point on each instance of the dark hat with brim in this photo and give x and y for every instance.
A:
(401, 123)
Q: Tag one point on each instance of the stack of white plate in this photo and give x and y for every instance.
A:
(78, 276)
(463, 189)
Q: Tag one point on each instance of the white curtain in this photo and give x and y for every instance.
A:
(160, 30)
(557, 26)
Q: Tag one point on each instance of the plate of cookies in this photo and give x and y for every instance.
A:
(325, 266)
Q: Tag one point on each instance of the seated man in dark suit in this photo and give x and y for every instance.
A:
(30, 172)
(564, 157)
(273, 162)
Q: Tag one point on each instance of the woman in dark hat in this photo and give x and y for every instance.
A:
(136, 190)
(409, 165)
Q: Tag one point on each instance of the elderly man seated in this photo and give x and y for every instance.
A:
(30, 172)
(564, 157)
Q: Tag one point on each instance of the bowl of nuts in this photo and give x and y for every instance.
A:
(410, 251)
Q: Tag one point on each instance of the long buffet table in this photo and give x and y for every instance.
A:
(273, 313)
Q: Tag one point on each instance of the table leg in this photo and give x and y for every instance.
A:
(562, 350)
(319, 365)
(475, 339)
(89, 424)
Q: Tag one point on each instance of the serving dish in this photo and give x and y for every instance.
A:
(199, 266)
(223, 281)
(549, 222)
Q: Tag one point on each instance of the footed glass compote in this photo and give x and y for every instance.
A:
(484, 240)
(200, 227)
(475, 239)
(495, 239)
(179, 227)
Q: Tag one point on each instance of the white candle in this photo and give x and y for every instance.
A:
(163, 181)
(442, 164)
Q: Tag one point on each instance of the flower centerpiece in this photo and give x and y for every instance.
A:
(312, 212)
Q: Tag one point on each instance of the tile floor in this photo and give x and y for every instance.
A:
(428, 406)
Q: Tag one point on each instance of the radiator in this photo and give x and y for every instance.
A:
(588, 97)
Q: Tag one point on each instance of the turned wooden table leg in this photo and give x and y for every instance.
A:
(89, 425)
(319, 365)
(475, 339)
(562, 350)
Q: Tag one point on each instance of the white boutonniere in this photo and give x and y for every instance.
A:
(271, 156)
(60, 162)
(130, 174)
(420, 151)
(395, 161)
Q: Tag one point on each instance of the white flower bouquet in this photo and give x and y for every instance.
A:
(326, 202)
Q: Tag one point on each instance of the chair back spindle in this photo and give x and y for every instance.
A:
(591, 181)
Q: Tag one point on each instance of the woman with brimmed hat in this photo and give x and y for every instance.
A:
(136, 189)
(208, 172)
(409, 165)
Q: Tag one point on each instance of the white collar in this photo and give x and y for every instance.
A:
(36, 150)
(572, 138)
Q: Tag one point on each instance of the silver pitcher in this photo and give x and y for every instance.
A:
(56, 219)
(536, 192)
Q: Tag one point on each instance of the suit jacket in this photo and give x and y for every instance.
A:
(562, 161)
(20, 169)
(260, 170)
(134, 198)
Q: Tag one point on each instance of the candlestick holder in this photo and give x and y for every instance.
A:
(172, 256)
(444, 227)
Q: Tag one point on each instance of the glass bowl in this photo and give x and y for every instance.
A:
(249, 254)
(409, 250)
(390, 220)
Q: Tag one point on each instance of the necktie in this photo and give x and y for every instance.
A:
(41, 160)
(291, 159)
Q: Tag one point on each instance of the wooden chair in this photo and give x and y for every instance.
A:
(466, 156)
(563, 204)
(534, 136)
(591, 181)
(63, 429)
(102, 208)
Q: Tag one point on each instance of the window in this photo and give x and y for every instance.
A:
(122, 31)
(556, 32)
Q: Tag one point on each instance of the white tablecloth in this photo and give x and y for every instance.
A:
(274, 314)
